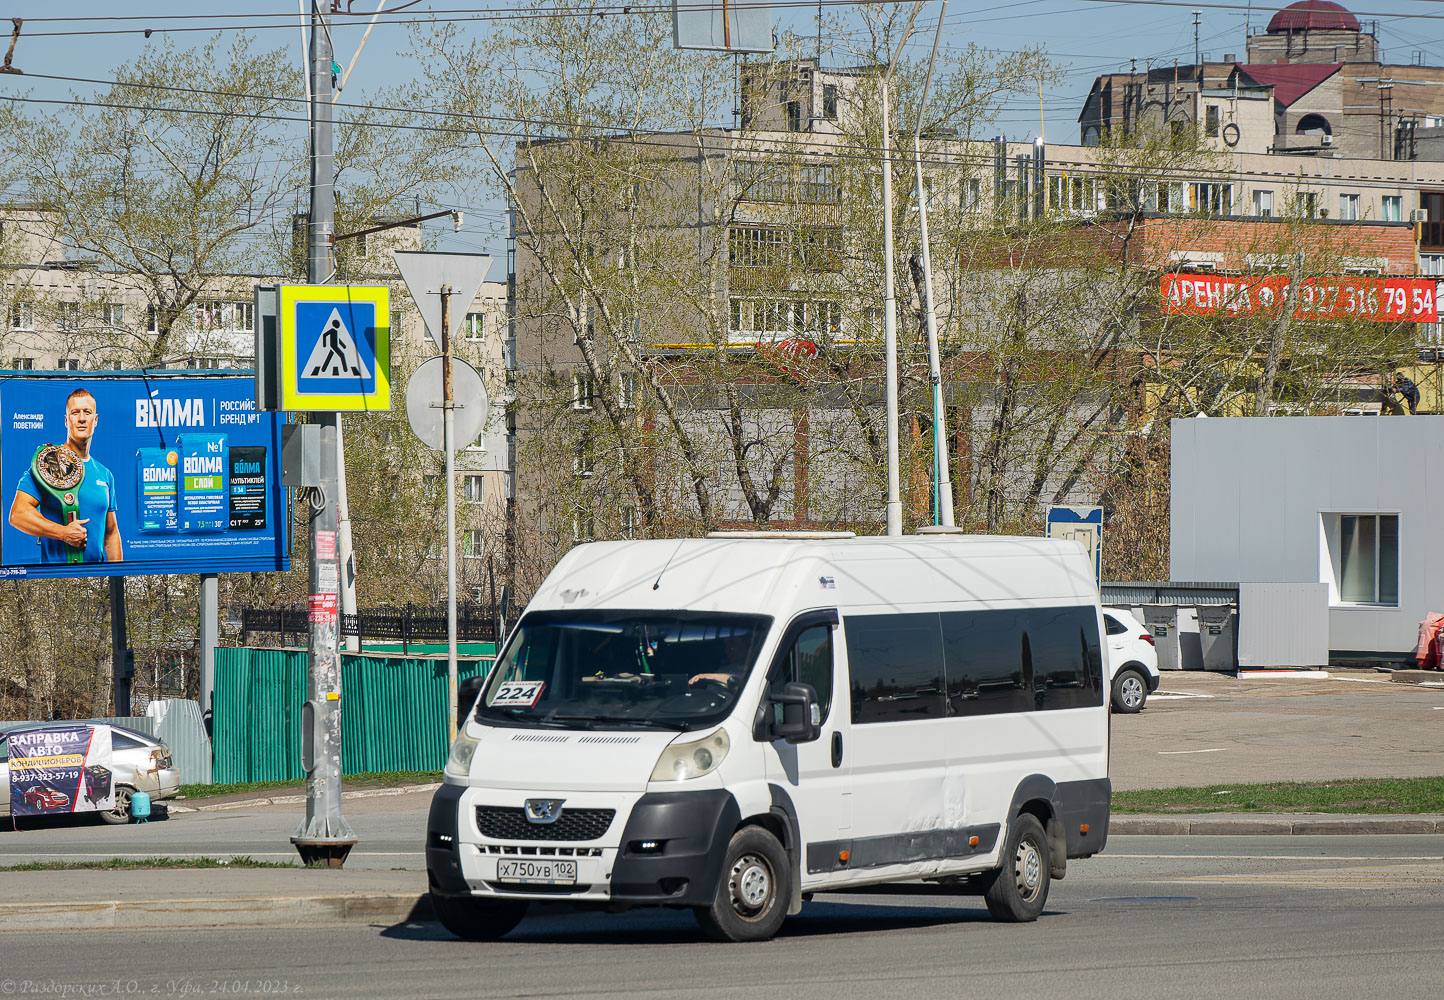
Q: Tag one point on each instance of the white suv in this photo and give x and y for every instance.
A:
(1132, 660)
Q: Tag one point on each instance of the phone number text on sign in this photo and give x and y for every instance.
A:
(1381, 300)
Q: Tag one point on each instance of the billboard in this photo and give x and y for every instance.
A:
(135, 473)
(1380, 300)
(61, 770)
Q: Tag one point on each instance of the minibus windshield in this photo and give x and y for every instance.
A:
(610, 669)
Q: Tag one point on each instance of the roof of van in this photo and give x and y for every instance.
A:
(783, 575)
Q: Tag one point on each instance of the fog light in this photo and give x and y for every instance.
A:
(646, 846)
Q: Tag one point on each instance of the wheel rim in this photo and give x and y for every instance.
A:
(1028, 870)
(122, 804)
(1132, 690)
(749, 885)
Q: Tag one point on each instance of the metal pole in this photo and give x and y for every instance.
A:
(942, 474)
(889, 324)
(448, 445)
(324, 836)
(348, 550)
(210, 633)
(120, 669)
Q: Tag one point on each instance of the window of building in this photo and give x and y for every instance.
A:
(628, 386)
(1263, 204)
(752, 246)
(430, 484)
(794, 116)
(1392, 208)
(760, 319)
(22, 316)
(152, 319)
(68, 364)
(582, 391)
(1210, 119)
(972, 194)
(479, 445)
(471, 544)
(209, 363)
(473, 488)
(113, 314)
(22, 364)
(1304, 204)
(808, 661)
(584, 460)
(895, 665)
(1208, 198)
(68, 315)
(582, 527)
(214, 315)
(472, 326)
(629, 521)
(1349, 207)
(113, 366)
(1368, 564)
(829, 100)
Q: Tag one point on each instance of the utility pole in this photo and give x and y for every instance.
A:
(1197, 66)
(324, 836)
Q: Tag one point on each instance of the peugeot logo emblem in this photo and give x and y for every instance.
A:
(543, 810)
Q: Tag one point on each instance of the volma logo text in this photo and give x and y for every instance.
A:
(156, 412)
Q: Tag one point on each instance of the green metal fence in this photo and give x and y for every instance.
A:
(393, 713)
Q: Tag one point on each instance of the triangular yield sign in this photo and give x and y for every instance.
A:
(425, 271)
(335, 354)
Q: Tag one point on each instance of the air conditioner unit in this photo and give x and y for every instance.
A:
(1419, 215)
(1326, 140)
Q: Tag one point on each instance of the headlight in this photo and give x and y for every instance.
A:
(459, 761)
(692, 759)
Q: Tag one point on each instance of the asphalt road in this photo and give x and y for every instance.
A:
(1233, 917)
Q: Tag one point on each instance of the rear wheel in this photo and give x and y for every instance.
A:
(1018, 890)
(476, 919)
(753, 892)
(1130, 691)
(119, 814)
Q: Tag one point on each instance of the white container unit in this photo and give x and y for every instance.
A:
(731, 724)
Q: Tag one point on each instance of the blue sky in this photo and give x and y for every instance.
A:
(1088, 37)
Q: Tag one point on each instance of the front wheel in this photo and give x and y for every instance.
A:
(753, 892)
(119, 814)
(1018, 890)
(475, 919)
(1129, 692)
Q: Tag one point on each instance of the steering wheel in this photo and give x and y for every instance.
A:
(710, 683)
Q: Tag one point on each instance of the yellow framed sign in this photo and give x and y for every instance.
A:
(335, 347)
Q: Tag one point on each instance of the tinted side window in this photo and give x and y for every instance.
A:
(1113, 625)
(895, 665)
(119, 741)
(1067, 663)
(986, 673)
(809, 661)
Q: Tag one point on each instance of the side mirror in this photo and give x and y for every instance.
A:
(801, 720)
(466, 693)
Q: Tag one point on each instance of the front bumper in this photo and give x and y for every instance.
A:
(661, 848)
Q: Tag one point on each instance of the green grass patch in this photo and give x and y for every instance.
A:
(1364, 795)
(350, 782)
(133, 864)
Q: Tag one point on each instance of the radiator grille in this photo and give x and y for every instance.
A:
(510, 823)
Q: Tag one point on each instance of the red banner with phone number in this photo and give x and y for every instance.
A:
(1380, 300)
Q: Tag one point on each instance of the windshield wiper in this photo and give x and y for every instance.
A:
(680, 727)
(526, 720)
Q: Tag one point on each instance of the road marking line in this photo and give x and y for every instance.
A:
(1261, 857)
(1360, 680)
(1170, 753)
(1176, 696)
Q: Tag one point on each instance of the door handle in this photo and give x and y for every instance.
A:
(836, 749)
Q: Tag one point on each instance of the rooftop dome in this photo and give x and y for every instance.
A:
(1316, 15)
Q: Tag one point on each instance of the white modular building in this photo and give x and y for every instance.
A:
(1350, 502)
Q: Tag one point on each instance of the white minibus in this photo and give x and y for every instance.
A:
(733, 723)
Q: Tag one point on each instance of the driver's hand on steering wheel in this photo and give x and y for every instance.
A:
(727, 679)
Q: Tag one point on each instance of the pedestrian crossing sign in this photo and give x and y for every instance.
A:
(335, 347)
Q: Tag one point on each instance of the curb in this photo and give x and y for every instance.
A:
(149, 914)
(291, 800)
(1245, 826)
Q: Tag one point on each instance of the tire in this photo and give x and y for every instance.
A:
(753, 890)
(1017, 892)
(476, 919)
(1130, 692)
(119, 815)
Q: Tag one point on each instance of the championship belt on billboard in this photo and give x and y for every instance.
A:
(59, 471)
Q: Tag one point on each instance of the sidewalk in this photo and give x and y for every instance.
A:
(211, 897)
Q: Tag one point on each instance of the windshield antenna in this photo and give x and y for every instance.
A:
(658, 582)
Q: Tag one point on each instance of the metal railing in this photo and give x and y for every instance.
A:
(406, 625)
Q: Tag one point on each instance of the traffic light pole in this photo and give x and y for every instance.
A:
(324, 836)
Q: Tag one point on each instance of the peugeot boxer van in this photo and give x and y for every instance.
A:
(733, 723)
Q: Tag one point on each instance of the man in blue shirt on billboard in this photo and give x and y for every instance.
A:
(37, 512)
